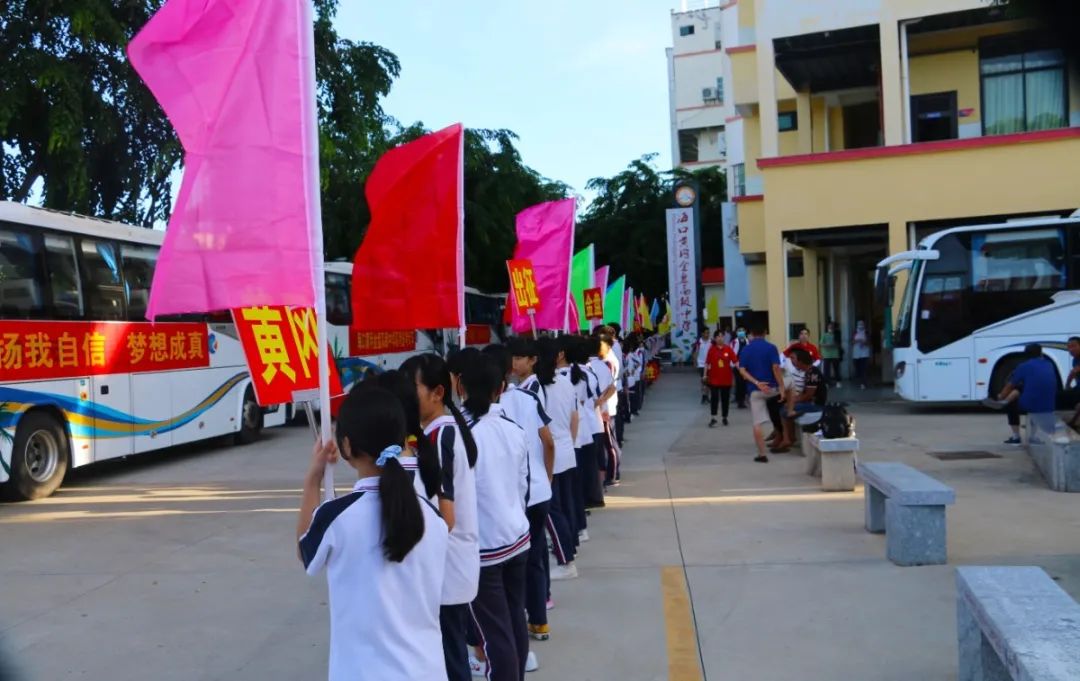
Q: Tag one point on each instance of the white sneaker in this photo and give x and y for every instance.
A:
(561, 572)
(583, 536)
(478, 668)
(531, 663)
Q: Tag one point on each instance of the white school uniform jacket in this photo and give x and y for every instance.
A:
(526, 408)
(411, 464)
(384, 616)
(589, 422)
(459, 486)
(561, 406)
(502, 486)
(605, 378)
(620, 361)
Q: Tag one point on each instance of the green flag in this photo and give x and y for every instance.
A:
(582, 276)
(613, 301)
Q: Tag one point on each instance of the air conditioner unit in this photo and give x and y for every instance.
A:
(709, 94)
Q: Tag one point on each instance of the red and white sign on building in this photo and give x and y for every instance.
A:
(281, 348)
(682, 281)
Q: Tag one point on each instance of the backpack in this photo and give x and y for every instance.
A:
(836, 422)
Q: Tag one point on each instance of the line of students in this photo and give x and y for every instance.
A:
(442, 544)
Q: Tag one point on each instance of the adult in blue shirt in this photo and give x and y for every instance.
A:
(1032, 390)
(1070, 397)
(759, 365)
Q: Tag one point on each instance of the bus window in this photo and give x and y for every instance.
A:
(138, 263)
(1019, 261)
(21, 276)
(103, 285)
(63, 277)
(338, 307)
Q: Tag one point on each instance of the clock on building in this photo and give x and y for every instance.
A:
(685, 195)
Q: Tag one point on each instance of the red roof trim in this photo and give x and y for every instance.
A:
(920, 148)
(729, 4)
(694, 54)
(749, 198)
(732, 119)
(741, 48)
(703, 106)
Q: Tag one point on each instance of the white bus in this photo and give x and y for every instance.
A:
(83, 376)
(975, 297)
(358, 353)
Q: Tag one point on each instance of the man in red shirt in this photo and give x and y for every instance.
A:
(720, 375)
(805, 344)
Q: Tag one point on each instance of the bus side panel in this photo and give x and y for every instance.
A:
(114, 422)
(208, 403)
(946, 374)
(153, 401)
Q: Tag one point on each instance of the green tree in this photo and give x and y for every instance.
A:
(626, 220)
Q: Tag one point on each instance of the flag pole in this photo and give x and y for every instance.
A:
(318, 265)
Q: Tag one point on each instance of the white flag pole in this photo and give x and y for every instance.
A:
(311, 160)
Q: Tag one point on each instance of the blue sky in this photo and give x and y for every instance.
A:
(582, 82)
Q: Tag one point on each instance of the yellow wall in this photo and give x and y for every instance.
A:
(836, 128)
(949, 71)
(744, 77)
(747, 18)
(752, 145)
(758, 298)
(817, 123)
(751, 215)
(789, 141)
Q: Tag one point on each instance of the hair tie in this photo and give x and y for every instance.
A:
(391, 452)
(411, 441)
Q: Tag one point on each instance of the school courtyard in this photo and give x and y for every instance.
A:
(704, 565)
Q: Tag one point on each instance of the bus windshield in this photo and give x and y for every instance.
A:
(902, 337)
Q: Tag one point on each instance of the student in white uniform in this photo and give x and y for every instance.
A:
(446, 431)
(419, 460)
(586, 472)
(562, 410)
(502, 489)
(605, 388)
(383, 548)
(610, 409)
(524, 404)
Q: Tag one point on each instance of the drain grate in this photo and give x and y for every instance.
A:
(963, 455)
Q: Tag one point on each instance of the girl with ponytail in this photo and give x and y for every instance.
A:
(445, 430)
(382, 545)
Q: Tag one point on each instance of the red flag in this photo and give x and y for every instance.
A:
(409, 272)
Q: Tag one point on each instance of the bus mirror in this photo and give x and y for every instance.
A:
(883, 287)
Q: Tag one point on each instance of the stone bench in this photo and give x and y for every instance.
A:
(831, 460)
(1015, 623)
(909, 507)
(1057, 456)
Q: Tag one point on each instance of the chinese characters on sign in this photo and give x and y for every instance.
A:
(281, 347)
(682, 281)
(523, 285)
(377, 342)
(594, 304)
(41, 350)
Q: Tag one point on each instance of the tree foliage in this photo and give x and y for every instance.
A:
(626, 220)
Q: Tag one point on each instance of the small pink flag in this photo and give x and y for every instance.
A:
(545, 234)
(575, 320)
(602, 278)
(236, 79)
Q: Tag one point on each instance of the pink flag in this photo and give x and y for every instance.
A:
(627, 309)
(236, 79)
(602, 279)
(545, 234)
(572, 314)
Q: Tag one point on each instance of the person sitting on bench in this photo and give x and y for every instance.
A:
(1031, 390)
(810, 400)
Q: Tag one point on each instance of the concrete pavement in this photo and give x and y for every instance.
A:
(183, 566)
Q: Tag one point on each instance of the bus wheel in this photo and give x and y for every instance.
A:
(39, 459)
(251, 420)
(1005, 366)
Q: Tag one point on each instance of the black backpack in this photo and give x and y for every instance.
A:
(836, 422)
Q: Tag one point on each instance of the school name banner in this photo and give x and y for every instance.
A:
(682, 284)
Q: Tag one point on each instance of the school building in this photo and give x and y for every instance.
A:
(855, 127)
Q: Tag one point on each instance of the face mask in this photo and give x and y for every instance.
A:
(742, 334)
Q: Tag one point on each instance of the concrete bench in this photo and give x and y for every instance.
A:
(1057, 456)
(831, 460)
(909, 507)
(1015, 623)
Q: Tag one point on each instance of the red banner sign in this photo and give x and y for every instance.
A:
(477, 334)
(594, 304)
(523, 285)
(35, 350)
(379, 342)
(281, 348)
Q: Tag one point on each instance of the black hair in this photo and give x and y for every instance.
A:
(522, 347)
(1074, 339)
(1033, 350)
(605, 338)
(757, 330)
(547, 350)
(433, 371)
(592, 347)
(502, 357)
(427, 459)
(573, 348)
(372, 420)
(458, 360)
(718, 334)
(604, 330)
(803, 356)
(482, 379)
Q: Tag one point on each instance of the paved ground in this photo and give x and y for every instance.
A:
(704, 564)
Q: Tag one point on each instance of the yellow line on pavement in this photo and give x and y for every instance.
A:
(684, 664)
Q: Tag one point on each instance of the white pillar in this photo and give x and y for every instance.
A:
(767, 109)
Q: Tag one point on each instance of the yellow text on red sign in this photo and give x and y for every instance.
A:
(523, 285)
